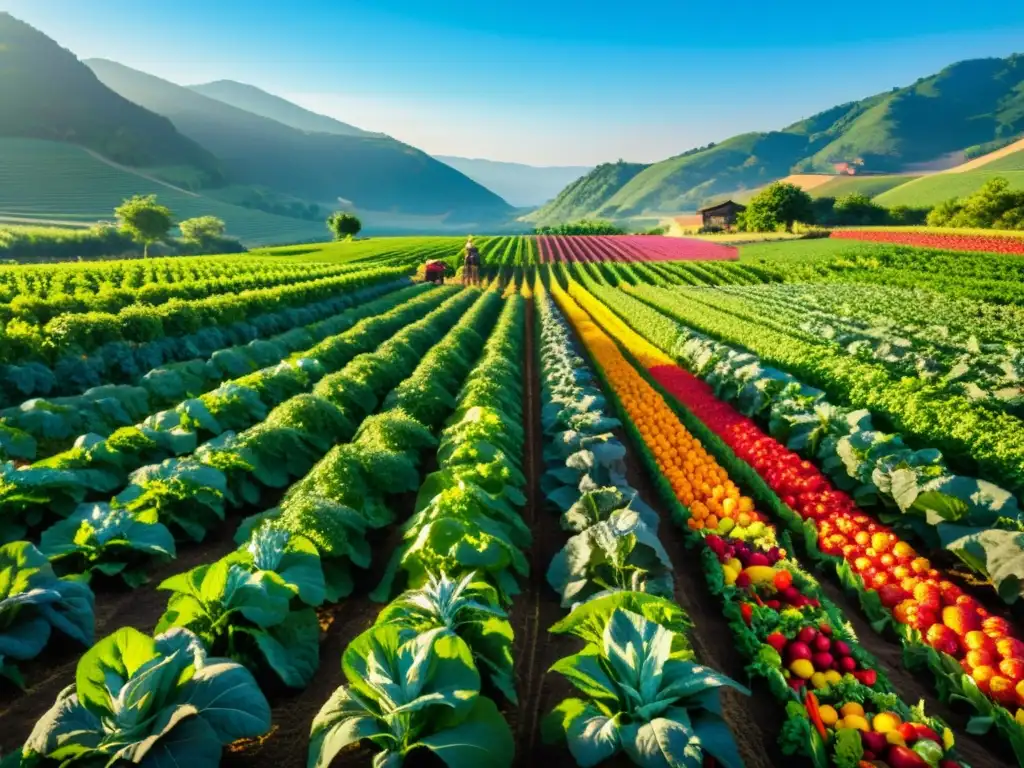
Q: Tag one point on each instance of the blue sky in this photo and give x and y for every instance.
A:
(548, 83)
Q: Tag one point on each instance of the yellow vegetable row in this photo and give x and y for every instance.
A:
(698, 481)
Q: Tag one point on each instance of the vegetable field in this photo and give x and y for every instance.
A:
(630, 501)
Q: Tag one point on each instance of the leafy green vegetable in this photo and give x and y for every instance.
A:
(407, 691)
(109, 540)
(34, 602)
(659, 709)
(149, 702)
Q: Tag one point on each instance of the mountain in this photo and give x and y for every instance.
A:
(258, 102)
(369, 172)
(930, 123)
(47, 93)
(520, 185)
(588, 194)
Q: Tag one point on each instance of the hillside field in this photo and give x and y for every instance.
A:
(53, 181)
(929, 191)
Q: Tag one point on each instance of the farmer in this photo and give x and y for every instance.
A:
(471, 267)
(435, 271)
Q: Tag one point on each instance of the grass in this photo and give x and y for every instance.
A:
(1011, 162)
(931, 190)
(871, 186)
(50, 181)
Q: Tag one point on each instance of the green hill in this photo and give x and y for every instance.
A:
(52, 181)
(47, 93)
(258, 102)
(932, 190)
(683, 183)
(587, 194)
(967, 104)
(1014, 162)
(370, 172)
(871, 186)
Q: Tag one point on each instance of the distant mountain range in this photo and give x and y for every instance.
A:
(931, 123)
(228, 140)
(518, 184)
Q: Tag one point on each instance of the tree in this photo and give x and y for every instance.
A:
(778, 205)
(145, 220)
(994, 206)
(858, 210)
(344, 225)
(202, 230)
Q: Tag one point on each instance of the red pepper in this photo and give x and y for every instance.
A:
(777, 640)
(748, 612)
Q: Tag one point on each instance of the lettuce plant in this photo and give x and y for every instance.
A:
(618, 553)
(407, 691)
(108, 540)
(34, 602)
(246, 613)
(643, 699)
(468, 608)
(149, 702)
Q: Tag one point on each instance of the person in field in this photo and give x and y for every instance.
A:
(471, 266)
(435, 272)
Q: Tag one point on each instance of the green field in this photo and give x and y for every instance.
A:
(47, 181)
(932, 190)
(864, 185)
(1013, 162)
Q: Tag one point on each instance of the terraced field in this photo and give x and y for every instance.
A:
(299, 508)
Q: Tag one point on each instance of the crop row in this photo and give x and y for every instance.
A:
(972, 653)
(969, 434)
(449, 622)
(840, 709)
(39, 311)
(255, 606)
(137, 324)
(54, 280)
(989, 376)
(41, 426)
(56, 486)
(629, 248)
(952, 241)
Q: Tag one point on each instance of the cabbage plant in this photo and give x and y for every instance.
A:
(108, 540)
(34, 602)
(407, 691)
(247, 613)
(465, 607)
(618, 553)
(641, 698)
(151, 702)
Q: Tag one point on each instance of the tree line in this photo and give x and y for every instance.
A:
(781, 206)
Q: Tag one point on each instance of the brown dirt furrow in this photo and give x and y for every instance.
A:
(537, 608)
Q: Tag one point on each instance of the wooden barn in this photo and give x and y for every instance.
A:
(721, 215)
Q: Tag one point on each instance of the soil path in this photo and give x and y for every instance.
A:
(537, 608)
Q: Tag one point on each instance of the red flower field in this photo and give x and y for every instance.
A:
(945, 240)
(562, 248)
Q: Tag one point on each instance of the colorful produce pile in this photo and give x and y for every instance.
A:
(952, 241)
